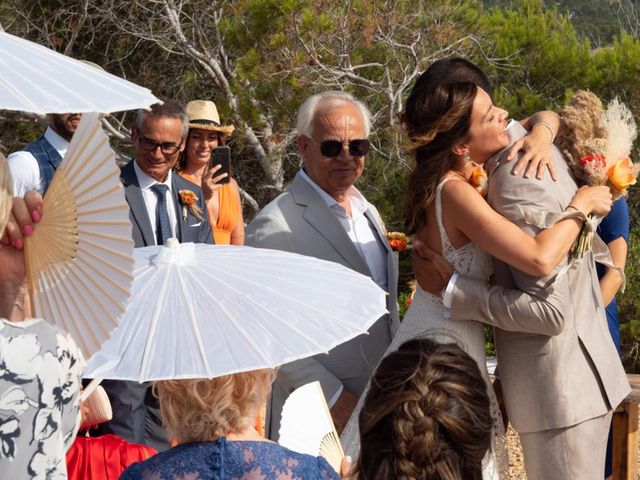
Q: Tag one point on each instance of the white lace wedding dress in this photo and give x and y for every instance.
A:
(425, 318)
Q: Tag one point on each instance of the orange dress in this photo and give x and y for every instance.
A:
(229, 211)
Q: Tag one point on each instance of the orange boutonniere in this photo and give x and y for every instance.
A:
(479, 180)
(189, 200)
(398, 241)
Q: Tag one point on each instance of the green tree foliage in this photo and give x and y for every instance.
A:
(543, 57)
(599, 21)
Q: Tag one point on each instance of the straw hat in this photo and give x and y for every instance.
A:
(204, 114)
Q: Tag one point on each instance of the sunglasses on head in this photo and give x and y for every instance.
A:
(332, 148)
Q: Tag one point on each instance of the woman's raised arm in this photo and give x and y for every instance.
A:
(504, 240)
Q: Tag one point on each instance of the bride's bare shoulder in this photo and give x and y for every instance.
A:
(460, 199)
(456, 187)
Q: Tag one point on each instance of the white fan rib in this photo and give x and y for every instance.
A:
(116, 269)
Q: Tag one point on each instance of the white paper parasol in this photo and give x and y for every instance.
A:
(79, 259)
(39, 80)
(203, 311)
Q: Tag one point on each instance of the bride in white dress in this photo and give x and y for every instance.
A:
(452, 129)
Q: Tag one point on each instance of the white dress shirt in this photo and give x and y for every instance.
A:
(151, 201)
(24, 167)
(363, 235)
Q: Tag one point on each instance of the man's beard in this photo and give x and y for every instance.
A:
(60, 126)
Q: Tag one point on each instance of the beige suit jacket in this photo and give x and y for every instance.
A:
(565, 370)
(300, 221)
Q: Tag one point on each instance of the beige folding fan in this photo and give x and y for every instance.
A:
(80, 258)
(306, 425)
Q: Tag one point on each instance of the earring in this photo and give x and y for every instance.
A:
(466, 157)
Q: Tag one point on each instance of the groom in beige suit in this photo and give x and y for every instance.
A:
(561, 383)
(322, 214)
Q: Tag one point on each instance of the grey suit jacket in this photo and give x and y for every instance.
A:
(299, 221)
(566, 370)
(136, 413)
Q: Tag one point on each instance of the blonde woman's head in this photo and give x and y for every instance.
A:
(206, 409)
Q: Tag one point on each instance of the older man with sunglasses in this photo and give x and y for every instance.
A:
(323, 215)
(157, 212)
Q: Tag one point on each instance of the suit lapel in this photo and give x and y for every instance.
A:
(392, 276)
(320, 216)
(382, 236)
(133, 194)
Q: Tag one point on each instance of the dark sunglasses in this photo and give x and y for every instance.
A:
(332, 148)
(149, 145)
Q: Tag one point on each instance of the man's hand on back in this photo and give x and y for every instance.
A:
(431, 270)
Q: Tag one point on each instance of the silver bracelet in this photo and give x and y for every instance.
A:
(547, 126)
(583, 217)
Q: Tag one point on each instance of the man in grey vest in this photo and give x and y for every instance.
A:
(33, 167)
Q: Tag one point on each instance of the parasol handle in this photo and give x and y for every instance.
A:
(30, 280)
(89, 389)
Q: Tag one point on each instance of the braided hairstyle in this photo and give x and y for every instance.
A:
(426, 416)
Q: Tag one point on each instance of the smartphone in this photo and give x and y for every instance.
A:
(221, 156)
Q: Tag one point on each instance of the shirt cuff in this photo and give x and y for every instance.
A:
(448, 293)
(332, 401)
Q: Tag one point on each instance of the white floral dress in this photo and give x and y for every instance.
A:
(40, 373)
(426, 318)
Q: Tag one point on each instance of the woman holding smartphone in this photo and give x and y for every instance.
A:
(202, 162)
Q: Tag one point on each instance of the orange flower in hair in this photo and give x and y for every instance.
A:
(479, 180)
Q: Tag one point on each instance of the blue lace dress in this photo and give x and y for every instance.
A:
(233, 460)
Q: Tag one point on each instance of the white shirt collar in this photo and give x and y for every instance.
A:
(56, 141)
(358, 202)
(146, 181)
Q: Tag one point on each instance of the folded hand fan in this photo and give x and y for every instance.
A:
(307, 427)
(80, 257)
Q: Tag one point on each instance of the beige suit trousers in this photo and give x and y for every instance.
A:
(572, 453)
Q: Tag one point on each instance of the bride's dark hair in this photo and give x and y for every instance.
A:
(437, 115)
(426, 416)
